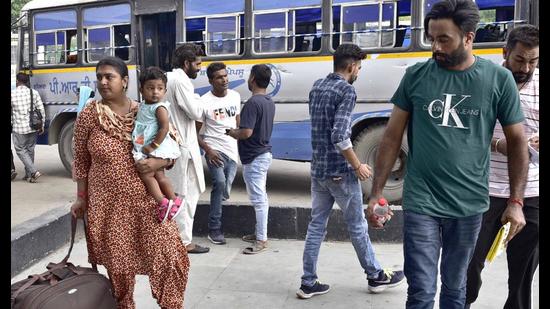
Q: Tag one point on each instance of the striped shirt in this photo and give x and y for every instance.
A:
(499, 185)
(21, 107)
(331, 101)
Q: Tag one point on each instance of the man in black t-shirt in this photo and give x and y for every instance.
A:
(253, 138)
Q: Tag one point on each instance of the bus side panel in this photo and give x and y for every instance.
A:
(58, 91)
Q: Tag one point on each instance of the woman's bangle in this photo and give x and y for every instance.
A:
(496, 144)
(82, 194)
(155, 145)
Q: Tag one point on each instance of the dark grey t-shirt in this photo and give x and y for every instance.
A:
(257, 114)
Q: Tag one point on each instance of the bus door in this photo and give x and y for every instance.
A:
(158, 30)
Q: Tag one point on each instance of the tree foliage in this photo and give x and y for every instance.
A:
(16, 6)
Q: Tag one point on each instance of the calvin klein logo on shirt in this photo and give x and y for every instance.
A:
(450, 112)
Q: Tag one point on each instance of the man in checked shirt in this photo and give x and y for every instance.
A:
(24, 138)
(336, 172)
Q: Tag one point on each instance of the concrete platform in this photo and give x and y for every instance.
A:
(225, 278)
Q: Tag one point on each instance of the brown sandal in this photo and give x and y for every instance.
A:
(259, 246)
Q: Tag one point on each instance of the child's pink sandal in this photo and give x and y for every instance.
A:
(164, 209)
(175, 209)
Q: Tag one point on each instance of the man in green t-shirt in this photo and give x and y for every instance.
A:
(449, 105)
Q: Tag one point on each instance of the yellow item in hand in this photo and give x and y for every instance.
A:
(498, 244)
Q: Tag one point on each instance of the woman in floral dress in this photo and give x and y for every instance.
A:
(123, 233)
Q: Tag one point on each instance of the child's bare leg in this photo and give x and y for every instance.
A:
(152, 186)
(165, 184)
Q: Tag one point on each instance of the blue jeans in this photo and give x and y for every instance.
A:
(255, 178)
(24, 148)
(222, 179)
(346, 192)
(424, 237)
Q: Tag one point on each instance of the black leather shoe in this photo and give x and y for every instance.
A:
(199, 249)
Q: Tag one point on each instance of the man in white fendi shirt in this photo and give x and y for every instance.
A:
(521, 56)
(221, 112)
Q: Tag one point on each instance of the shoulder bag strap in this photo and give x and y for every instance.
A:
(32, 99)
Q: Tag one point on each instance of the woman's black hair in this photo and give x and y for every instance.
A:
(116, 63)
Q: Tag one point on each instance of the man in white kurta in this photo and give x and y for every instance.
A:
(187, 174)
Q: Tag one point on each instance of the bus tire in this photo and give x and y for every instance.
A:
(366, 146)
(65, 145)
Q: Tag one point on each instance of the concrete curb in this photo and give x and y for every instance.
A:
(36, 238)
(33, 239)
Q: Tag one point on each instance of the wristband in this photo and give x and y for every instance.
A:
(82, 194)
(516, 201)
(155, 145)
(357, 167)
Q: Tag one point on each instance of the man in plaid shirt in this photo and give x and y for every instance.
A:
(24, 138)
(335, 174)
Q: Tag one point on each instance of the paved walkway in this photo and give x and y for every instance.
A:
(288, 185)
(225, 278)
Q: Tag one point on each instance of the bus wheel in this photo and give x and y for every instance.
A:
(65, 145)
(366, 147)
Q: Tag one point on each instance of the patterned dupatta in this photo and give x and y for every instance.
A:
(117, 126)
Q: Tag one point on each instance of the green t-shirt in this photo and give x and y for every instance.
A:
(451, 119)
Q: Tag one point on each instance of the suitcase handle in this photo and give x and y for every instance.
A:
(74, 222)
(53, 266)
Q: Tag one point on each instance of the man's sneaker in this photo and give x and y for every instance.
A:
(216, 237)
(386, 279)
(305, 292)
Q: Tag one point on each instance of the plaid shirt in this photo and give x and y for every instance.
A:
(331, 101)
(21, 107)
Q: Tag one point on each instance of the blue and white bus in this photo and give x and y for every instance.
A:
(63, 40)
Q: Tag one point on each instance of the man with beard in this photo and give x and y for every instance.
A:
(335, 175)
(521, 56)
(187, 175)
(449, 105)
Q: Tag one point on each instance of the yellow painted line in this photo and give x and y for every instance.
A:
(421, 54)
(497, 51)
(69, 70)
(404, 55)
(273, 60)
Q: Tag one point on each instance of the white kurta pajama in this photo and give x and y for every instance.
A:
(187, 175)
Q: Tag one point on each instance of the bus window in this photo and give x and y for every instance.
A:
(286, 26)
(218, 27)
(51, 32)
(222, 35)
(369, 25)
(403, 32)
(308, 30)
(107, 32)
(270, 32)
(195, 31)
(72, 49)
(495, 18)
(99, 40)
